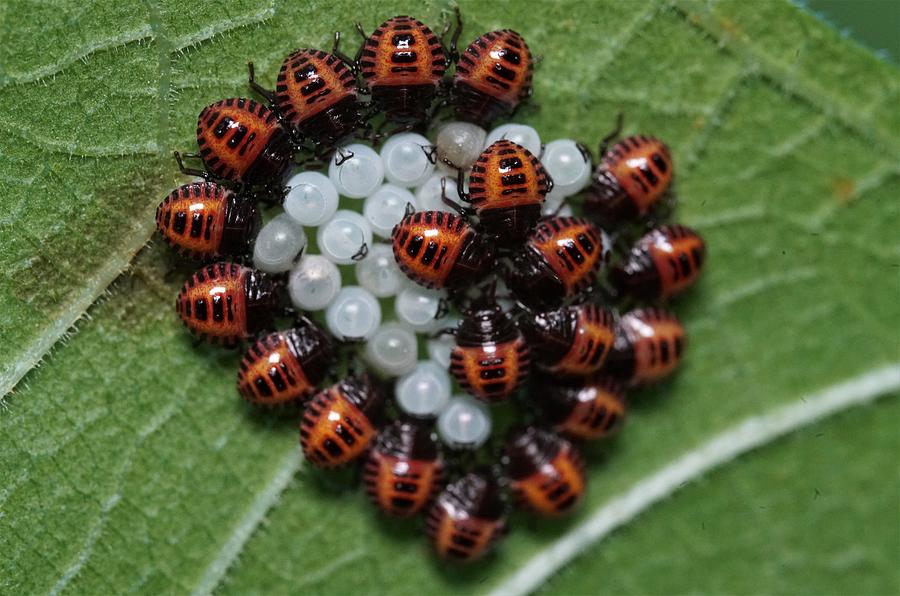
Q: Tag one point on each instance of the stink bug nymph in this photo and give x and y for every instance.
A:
(507, 188)
(241, 140)
(316, 96)
(402, 64)
(631, 179)
(649, 346)
(440, 250)
(493, 76)
(560, 259)
(546, 471)
(468, 518)
(570, 341)
(204, 220)
(404, 469)
(285, 366)
(490, 359)
(340, 422)
(662, 264)
(589, 409)
(226, 303)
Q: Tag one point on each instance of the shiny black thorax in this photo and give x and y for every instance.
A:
(360, 391)
(473, 263)
(241, 225)
(260, 301)
(273, 161)
(333, 125)
(476, 494)
(637, 276)
(550, 334)
(407, 440)
(477, 107)
(532, 280)
(486, 325)
(404, 104)
(312, 348)
(526, 451)
(606, 202)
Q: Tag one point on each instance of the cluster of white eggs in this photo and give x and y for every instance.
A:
(376, 188)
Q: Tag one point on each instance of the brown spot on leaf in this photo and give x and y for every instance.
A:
(844, 189)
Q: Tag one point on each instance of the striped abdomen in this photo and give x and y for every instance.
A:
(402, 51)
(507, 175)
(241, 140)
(649, 346)
(556, 487)
(546, 471)
(663, 263)
(498, 65)
(427, 244)
(467, 519)
(593, 410)
(400, 486)
(334, 431)
(191, 219)
(212, 303)
(281, 368)
(309, 82)
(642, 167)
(573, 249)
(492, 371)
(594, 336)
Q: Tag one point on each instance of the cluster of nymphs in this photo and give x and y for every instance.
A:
(519, 301)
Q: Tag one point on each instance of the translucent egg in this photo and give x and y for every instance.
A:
(428, 196)
(313, 283)
(439, 348)
(520, 134)
(607, 241)
(460, 143)
(379, 272)
(406, 159)
(341, 239)
(417, 306)
(354, 314)
(465, 423)
(569, 168)
(278, 244)
(385, 208)
(392, 350)
(312, 198)
(424, 392)
(358, 176)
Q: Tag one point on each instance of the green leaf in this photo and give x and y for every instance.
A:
(127, 461)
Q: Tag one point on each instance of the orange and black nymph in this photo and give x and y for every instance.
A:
(285, 367)
(204, 220)
(493, 76)
(468, 518)
(404, 469)
(560, 259)
(340, 422)
(507, 188)
(631, 179)
(241, 140)
(571, 340)
(440, 250)
(546, 472)
(663, 263)
(490, 359)
(590, 409)
(316, 97)
(402, 64)
(226, 303)
(649, 346)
